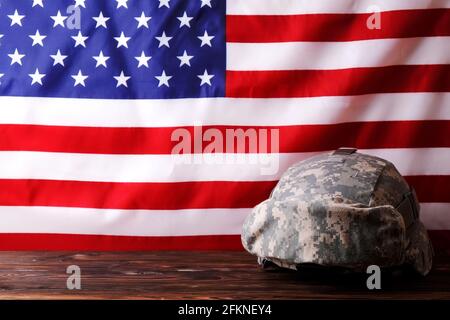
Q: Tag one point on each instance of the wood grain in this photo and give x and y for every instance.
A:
(196, 275)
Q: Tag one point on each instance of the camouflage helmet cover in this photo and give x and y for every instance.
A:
(342, 209)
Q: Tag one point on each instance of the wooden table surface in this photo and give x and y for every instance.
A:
(195, 275)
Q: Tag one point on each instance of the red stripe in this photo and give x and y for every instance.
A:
(156, 196)
(15, 241)
(440, 239)
(431, 188)
(356, 81)
(302, 138)
(65, 242)
(169, 196)
(337, 27)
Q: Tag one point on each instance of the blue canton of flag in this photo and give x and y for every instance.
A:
(113, 49)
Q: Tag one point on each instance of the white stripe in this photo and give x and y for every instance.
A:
(155, 222)
(167, 168)
(435, 216)
(284, 7)
(224, 111)
(337, 55)
(416, 162)
(122, 222)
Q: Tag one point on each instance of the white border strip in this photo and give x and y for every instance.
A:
(168, 168)
(337, 55)
(285, 7)
(224, 111)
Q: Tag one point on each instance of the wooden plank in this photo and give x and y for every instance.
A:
(195, 275)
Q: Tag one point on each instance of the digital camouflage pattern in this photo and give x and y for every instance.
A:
(339, 209)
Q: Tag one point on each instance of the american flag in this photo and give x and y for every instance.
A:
(91, 92)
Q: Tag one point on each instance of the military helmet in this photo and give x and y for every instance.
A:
(340, 209)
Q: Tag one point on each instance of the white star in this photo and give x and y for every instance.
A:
(164, 3)
(143, 20)
(59, 19)
(184, 20)
(122, 40)
(80, 3)
(79, 78)
(38, 3)
(185, 59)
(101, 20)
(80, 39)
(122, 80)
(101, 59)
(163, 40)
(58, 58)
(122, 3)
(37, 39)
(16, 57)
(206, 78)
(206, 3)
(163, 79)
(1, 76)
(36, 77)
(143, 60)
(206, 39)
(16, 18)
